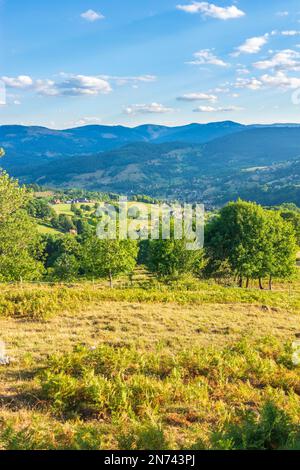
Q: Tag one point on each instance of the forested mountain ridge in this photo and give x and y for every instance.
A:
(260, 163)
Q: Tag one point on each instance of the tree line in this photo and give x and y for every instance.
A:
(243, 241)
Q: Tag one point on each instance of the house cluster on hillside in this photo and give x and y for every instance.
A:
(83, 200)
(71, 201)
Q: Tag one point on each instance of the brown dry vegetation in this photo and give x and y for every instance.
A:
(202, 317)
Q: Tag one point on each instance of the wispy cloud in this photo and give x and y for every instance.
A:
(86, 121)
(198, 97)
(152, 108)
(130, 79)
(21, 82)
(252, 45)
(92, 16)
(282, 13)
(214, 11)
(207, 56)
(73, 84)
(290, 33)
(287, 59)
(281, 80)
(212, 109)
(248, 83)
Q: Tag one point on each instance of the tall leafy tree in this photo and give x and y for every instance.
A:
(293, 216)
(279, 260)
(252, 241)
(20, 243)
(40, 209)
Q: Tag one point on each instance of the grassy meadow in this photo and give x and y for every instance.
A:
(192, 365)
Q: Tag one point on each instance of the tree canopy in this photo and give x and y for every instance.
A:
(20, 243)
(254, 242)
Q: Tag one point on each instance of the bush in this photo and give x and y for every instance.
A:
(272, 430)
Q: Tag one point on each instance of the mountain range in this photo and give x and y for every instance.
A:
(210, 163)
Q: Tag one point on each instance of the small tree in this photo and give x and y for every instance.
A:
(171, 258)
(56, 246)
(63, 222)
(108, 258)
(66, 268)
(40, 209)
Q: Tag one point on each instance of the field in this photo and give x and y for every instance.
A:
(189, 366)
(44, 229)
(66, 208)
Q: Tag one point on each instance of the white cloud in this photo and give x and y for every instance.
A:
(211, 109)
(222, 88)
(198, 97)
(286, 59)
(91, 16)
(249, 83)
(72, 84)
(152, 108)
(282, 13)
(252, 45)
(87, 120)
(130, 79)
(46, 87)
(290, 33)
(281, 80)
(21, 82)
(205, 109)
(75, 85)
(206, 56)
(214, 11)
(243, 71)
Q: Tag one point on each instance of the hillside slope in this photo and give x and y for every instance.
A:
(257, 163)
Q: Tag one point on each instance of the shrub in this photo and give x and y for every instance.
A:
(272, 430)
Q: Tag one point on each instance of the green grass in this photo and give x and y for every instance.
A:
(66, 208)
(44, 229)
(63, 209)
(244, 396)
(44, 301)
(190, 365)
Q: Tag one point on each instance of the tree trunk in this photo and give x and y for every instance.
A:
(260, 284)
(241, 282)
(110, 280)
(270, 283)
(247, 283)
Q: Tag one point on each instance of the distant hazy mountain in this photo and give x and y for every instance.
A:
(210, 163)
(34, 145)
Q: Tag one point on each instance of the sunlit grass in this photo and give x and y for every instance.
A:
(150, 366)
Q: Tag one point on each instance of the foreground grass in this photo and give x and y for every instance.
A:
(44, 301)
(190, 365)
(244, 396)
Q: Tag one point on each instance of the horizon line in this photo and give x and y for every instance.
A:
(272, 124)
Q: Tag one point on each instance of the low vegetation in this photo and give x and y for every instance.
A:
(180, 350)
(243, 395)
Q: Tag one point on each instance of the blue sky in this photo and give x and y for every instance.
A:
(67, 63)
